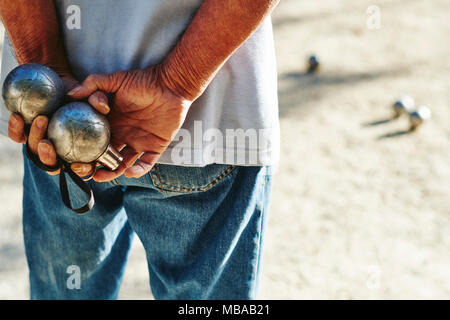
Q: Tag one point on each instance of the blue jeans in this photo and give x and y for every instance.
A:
(202, 230)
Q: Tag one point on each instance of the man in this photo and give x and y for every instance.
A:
(189, 83)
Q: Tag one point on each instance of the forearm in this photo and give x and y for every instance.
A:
(33, 30)
(217, 30)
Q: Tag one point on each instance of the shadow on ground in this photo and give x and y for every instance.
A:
(297, 88)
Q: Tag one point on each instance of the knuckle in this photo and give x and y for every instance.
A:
(90, 82)
(12, 132)
(47, 159)
(97, 94)
(14, 127)
(90, 78)
(14, 138)
(15, 135)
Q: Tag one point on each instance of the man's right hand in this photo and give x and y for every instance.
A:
(36, 137)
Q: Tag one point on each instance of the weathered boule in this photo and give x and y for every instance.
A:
(403, 106)
(313, 64)
(32, 89)
(418, 117)
(81, 134)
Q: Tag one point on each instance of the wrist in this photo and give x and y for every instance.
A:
(33, 30)
(180, 76)
(42, 51)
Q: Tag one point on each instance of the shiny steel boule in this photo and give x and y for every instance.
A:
(419, 116)
(313, 64)
(404, 105)
(81, 134)
(32, 89)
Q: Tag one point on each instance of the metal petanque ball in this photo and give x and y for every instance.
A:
(404, 105)
(32, 89)
(313, 64)
(81, 134)
(419, 116)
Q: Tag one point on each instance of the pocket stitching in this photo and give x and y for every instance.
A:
(155, 180)
(225, 172)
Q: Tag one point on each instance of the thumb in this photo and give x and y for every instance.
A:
(98, 82)
(69, 82)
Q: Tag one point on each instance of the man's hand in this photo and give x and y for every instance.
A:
(149, 106)
(33, 29)
(145, 116)
(36, 138)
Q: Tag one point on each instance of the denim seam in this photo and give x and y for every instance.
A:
(154, 176)
(203, 188)
(263, 209)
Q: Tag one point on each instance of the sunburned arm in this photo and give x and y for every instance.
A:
(33, 30)
(217, 30)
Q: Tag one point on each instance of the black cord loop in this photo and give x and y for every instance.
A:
(64, 190)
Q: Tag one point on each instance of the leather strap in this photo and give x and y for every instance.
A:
(35, 159)
(65, 167)
(64, 190)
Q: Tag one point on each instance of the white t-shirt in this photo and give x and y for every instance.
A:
(235, 121)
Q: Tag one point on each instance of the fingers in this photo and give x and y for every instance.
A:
(129, 166)
(47, 154)
(69, 82)
(129, 157)
(99, 101)
(16, 127)
(38, 145)
(95, 82)
(118, 146)
(83, 169)
(37, 132)
(143, 165)
(45, 150)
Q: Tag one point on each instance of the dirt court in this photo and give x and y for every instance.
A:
(360, 209)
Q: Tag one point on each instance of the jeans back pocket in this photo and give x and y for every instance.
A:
(189, 179)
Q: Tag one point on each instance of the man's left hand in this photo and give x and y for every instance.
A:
(145, 117)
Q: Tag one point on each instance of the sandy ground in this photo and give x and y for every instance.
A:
(359, 211)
